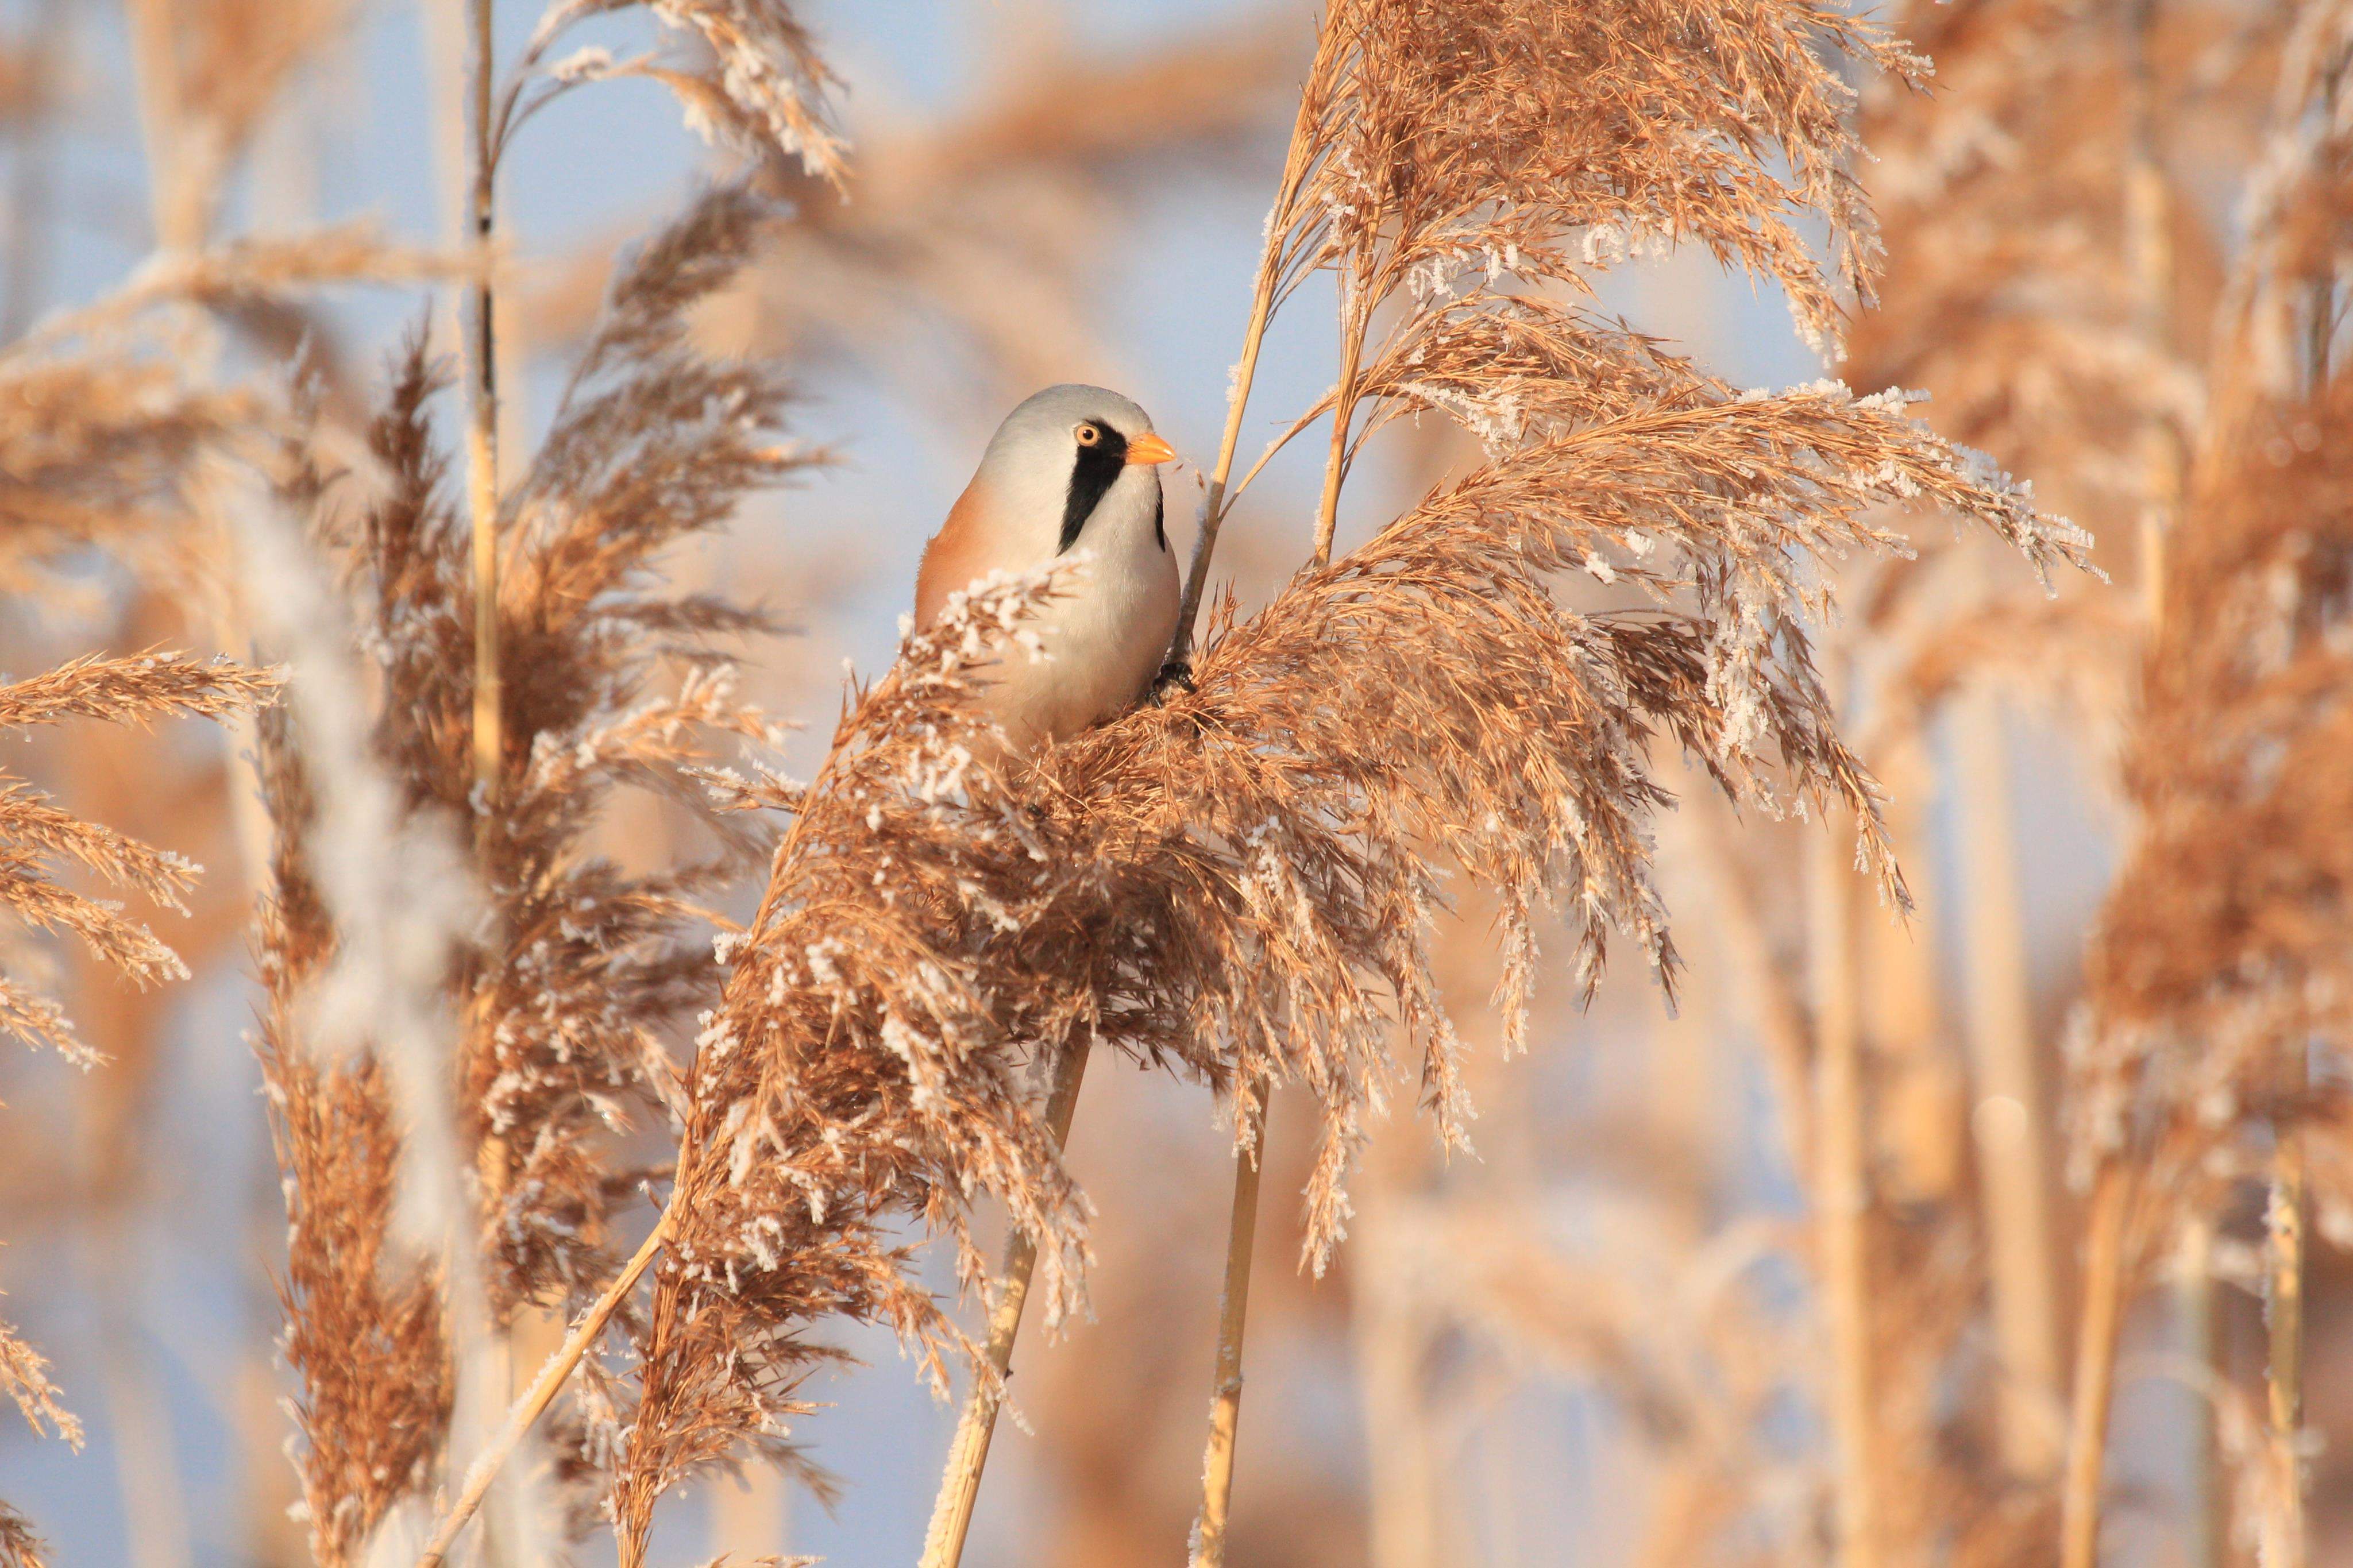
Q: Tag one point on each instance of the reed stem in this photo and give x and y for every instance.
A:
(552, 1377)
(1264, 293)
(1842, 1195)
(2284, 1541)
(1241, 1227)
(1344, 409)
(1210, 1532)
(482, 407)
(2007, 1120)
(1213, 511)
(968, 1454)
(2193, 1296)
(2095, 1366)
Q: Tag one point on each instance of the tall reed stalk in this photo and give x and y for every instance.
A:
(1212, 1528)
(2015, 1166)
(2282, 1525)
(1843, 1196)
(482, 391)
(2105, 1222)
(968, 1451)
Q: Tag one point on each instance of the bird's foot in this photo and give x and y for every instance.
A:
(1177, 674)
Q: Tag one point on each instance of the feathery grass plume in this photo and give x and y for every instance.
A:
(2057, 301)
(110, 404)
(586, 970)
(94, 449)
(363, 1330)
(592, 969)
(24, 1379)
(1447, 147)
(1237, 883)
(1455, 153)
(19, 1547)
(2217, 984)
(976, 235)
(36, 836)
(869, 1057)
(210, 71)
(759, 87)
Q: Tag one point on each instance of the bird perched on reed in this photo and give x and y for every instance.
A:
(1072, 468)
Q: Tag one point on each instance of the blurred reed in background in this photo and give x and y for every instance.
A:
(623, 1088)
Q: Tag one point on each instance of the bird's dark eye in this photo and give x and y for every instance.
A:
(1088, 434)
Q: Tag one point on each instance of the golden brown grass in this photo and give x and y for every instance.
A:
(930, 926)
(583, 969)
(37, 839)
(1622, 587)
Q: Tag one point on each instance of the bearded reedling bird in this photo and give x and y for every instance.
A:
(1074, 467)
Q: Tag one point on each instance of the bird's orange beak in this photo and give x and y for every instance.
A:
(1149, 448)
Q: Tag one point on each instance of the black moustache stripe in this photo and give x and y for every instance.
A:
(1093, 474)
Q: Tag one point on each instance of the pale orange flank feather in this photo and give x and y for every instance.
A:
(954, 559)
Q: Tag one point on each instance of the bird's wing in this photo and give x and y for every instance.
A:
(956, 556)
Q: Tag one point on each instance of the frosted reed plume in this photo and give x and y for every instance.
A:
(1238, 883)
(1607, 457)
(366, 907)
(757, 85)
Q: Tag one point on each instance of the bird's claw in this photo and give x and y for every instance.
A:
(1177, 673)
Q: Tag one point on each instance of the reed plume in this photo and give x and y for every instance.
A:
(584, 968)
(363, 1319)
(756, 84)
(2215, 980)
(19, 1547)
(1237, 883)
(37, 837)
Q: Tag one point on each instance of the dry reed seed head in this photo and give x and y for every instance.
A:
(1239, 883)
(2221, 953)
(1505, 138)
(2057, 302)
(94, 451)
(1459, 150)
(582, 972)
(24, 1379)
(864, 1062)
(19, 1546)
(915, 267)
(759, 87)
(36, 835)
(228, 62)
(364, 1312)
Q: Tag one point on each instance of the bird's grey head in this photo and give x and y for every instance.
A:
(1088, 440)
